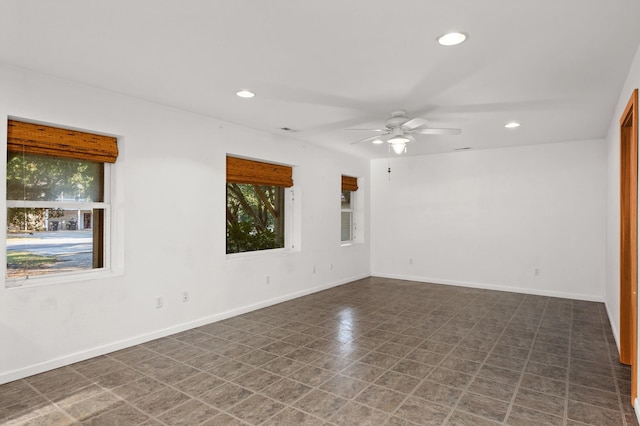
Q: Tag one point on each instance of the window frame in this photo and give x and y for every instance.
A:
(113, 262)
(290, 244)
(106, 232)
(349, 184)
(350, 211)
(283, 179)
(279, 223)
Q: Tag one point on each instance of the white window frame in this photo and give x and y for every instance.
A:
(292, 241)
(61, 277)
(352, 224)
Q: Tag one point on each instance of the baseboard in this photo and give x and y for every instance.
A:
(636, 408)
(142, 338)
(486, 286)
(614, 329)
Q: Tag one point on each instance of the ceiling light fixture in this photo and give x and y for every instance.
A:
(245, 94)
(377, 141)
(399, 144)
(452, 39)
(399, 148)
(512, 125)
(398, 139)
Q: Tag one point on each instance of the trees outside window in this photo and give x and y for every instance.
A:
(255, 217)
(57, 200)
(47, 197)
(255, 204)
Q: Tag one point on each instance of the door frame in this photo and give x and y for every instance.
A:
(629, 239)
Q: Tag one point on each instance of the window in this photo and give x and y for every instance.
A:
(256, 205)
(57, 200)
(347, 224)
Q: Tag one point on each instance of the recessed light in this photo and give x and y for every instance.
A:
(452, 39)
(512, 125)
(245, 94)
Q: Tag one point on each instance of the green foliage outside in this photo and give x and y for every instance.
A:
(43, 178)
(30, 219)
(255, 219)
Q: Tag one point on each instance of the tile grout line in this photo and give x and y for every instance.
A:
(485, 359)
(435, 367)
(445, 356)
(528, 359)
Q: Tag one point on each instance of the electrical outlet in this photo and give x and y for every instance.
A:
(159, 302)
(268, 280)
(410, 261)
(331, 266)
(185, 296)
(314, 269)
(536, 272)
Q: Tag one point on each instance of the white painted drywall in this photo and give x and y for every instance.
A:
(169, 213)
(490, 218)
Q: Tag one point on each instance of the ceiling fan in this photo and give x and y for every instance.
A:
(399, 130)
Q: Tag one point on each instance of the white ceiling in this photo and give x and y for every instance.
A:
(321, 67)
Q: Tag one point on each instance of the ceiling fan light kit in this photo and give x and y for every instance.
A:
(399, 147)
(399, 130)
(398, 140)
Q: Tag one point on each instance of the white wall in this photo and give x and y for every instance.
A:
(170, 228)
(489, 218)
(612, 286)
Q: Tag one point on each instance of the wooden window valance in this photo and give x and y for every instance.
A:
(349, 183)
(46, 140)
(253, 172)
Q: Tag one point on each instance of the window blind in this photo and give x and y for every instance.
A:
(240, 170)
(46, 140)
(349, 183)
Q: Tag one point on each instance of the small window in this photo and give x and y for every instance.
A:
(347, 223)
(255, 217)
(56, 204)
(346, 217)
(256, 205)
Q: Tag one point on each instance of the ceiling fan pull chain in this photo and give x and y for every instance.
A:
(389, 161)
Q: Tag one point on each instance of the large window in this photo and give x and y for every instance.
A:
(57, 200)
(256, 205)
(347, 223)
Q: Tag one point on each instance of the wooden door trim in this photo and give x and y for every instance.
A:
(629, 238)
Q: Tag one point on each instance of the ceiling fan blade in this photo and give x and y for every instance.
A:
(414, 123)
(372, 138)
(371, 130)
(437, 131)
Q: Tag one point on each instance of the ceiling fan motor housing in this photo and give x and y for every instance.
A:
(398, 118)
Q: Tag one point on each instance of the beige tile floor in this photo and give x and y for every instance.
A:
(372, 352)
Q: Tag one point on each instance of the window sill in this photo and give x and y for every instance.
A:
(11, 284)
(261, 253)
(351, 243)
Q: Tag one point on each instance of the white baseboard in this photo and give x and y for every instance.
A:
(614, 329)
(636, 408)
(64, 360)
(485, 286)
